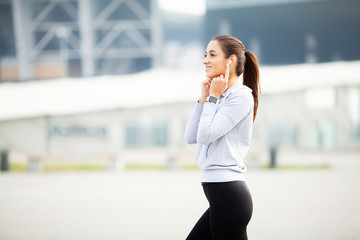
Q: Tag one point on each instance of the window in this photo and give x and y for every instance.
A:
(354, 112)
(322, 135)
(283, 134)
(142, 134)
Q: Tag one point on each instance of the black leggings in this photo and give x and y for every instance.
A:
(228, 215)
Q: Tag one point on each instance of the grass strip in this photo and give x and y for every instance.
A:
(323, 166)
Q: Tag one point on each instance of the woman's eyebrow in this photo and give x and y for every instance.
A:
(211, 51)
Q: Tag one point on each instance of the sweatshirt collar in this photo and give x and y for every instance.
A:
(234, 88)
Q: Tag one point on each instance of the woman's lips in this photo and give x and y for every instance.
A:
(207, 68)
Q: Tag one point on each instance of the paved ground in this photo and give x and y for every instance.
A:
(164, 205)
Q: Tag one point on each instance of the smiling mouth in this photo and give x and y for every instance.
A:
(207, 68)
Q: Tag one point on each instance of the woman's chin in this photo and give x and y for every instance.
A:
(209, 75)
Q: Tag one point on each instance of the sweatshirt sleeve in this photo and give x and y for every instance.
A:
(192, 124)
(214, 123)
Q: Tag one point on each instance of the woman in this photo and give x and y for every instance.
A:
(222, 127)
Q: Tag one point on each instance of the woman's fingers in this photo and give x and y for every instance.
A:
(219, 78)
(218, 86)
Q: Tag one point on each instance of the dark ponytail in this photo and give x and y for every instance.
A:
(247, 64)
(251, 78)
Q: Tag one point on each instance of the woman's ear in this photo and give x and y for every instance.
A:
(233, 58)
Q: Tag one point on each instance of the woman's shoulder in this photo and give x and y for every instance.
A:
(241, 91)
(239, 98)
(241, 95)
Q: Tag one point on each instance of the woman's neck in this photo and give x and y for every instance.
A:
(233, 80)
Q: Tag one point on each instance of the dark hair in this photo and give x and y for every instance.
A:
(247, 64)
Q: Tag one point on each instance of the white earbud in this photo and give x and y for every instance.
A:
(229, 62)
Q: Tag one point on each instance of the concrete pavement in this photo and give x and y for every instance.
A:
(164, 205)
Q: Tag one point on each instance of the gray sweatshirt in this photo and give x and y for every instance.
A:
(223, 131)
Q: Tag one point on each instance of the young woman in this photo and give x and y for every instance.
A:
(221, 124)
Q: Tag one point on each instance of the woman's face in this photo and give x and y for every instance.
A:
(214, 61)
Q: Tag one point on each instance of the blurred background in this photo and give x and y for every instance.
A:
(101, 80)
(108, 85)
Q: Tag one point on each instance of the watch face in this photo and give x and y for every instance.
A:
(213, 99)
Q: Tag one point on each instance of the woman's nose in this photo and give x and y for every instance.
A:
(206, 60)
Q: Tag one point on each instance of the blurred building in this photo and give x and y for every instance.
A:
(182, 40)
(289, 31)
(42, 39)
(307, 108)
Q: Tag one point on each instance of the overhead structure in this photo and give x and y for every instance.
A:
(87, 37)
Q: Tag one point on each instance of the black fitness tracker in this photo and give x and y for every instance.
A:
(213, 99)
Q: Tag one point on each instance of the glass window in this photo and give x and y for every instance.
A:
(142, 134)
(283, 134)
(322, 135)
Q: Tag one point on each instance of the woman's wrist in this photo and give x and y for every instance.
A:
(214, 94)
(202, 100)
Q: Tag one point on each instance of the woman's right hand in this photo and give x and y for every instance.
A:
(205, 90)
